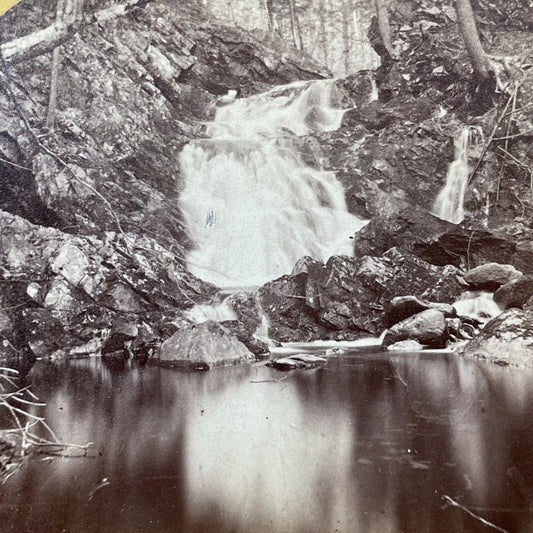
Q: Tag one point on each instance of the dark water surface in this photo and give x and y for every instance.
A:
(368, 443)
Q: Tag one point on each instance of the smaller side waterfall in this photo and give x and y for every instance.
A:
(449, 204)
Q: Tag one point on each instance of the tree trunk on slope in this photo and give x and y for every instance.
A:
(484, 80)
(382, 14)
(54, 78)
(293, 22)
(470, 36)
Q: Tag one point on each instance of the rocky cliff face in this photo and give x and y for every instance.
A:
(100, 189)
(103, 183)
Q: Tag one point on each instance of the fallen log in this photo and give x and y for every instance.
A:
(45, 40)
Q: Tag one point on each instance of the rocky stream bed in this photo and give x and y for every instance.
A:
(93, 244)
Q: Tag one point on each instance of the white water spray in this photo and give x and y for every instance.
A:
(449, 204)
(251, 205)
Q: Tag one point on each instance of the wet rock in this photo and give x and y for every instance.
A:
(506, 339)
(242, 332)
(203, 346)
(284, 302)
(515, 293)
(402, 307)
(304, 264)
(460, 330)
(286, 363)
(310, 360)
(345, 299)
(427, 328)
(246, 308)
(120, 338)
(146, 344)
(491, 276)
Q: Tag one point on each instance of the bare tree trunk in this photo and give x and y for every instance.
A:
(470, 36)
(231, 13)
(347, 48)
(268, 6)
(293, 23)
(298, 29)
(324, 32)
(382, 13)
(56, 60)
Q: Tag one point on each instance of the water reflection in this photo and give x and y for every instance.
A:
(365, 444)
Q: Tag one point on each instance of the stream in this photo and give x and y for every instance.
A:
(367, 443)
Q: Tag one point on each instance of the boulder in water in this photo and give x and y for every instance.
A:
(287, 363)
(203, 346)
(427, 328)
(506, 339)
(515, 293)
(491, 276)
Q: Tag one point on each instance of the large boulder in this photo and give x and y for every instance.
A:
(346, 297)
(515, 293)
(402, 307)
(491, 276)
(428, 328)
(506, 339)
(203, 346)
(436, 241)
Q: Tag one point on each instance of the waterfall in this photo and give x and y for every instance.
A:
(449, 204)
(251, 205)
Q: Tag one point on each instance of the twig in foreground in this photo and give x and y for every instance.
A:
(452, 502)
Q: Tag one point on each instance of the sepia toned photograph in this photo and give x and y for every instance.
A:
(266, 266)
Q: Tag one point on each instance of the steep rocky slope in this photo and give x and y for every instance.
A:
(104, 181)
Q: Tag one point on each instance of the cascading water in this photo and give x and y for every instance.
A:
(449, 204)
(251, 205)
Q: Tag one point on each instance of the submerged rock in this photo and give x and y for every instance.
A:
(490, 276)
(302, 360)
(203, 346)
(506, 339)
(427, 328)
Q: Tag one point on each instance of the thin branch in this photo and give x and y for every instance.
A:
(453, 503)
(14, 164)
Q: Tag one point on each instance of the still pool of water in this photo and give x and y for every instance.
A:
(368, 443)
